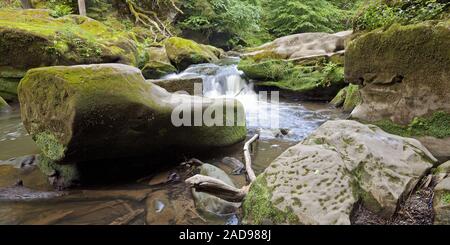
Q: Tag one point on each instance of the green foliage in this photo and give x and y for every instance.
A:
(382, 13)
(234, 19)
(446, 198)
(10, 4)
(285, 17)
(437, 125)
(61, 10)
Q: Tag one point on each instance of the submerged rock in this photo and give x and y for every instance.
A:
(404, 71)
(212, 204)
(183, 52)
(321, 179)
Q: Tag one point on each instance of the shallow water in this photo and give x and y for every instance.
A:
(151, 199)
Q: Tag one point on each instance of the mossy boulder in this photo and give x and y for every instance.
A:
(320, 180)
(404, 71)
(157, 64)
(318, 81)
(348, 98)
(88, 112)
(33, 38)
(183, 52)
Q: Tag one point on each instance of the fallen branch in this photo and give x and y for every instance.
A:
(216, 187)
(248, 158)
(219, 188)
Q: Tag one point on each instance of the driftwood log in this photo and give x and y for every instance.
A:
(219, 188)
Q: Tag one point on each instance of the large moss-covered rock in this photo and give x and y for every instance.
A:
(157, 64)
(404, 71)
(316, 81)
(88, 112)
(8, 88)
(183, 52)
(321, 179)
(32, 38)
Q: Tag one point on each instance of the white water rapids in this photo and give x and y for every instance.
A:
(290, 121)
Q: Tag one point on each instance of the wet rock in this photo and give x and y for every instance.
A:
(181, 85)
(441, 203)
(237, 166)
(90, 112)
(210, 204)
(403, 71)
(319, 180)
(165, 209)
(158, 64)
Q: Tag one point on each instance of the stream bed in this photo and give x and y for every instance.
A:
(162, 198)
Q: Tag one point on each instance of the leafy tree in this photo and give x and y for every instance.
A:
(233, 19)
(285, 17)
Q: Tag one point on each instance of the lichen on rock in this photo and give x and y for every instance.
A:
(343, 162)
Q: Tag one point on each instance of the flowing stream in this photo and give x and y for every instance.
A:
(150, 200)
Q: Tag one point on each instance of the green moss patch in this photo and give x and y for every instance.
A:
(259, 209)
(446, 198)
(183, 52)
(436, 125)
(289, 76)
(50, 145)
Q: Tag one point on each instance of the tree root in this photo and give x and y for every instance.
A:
(150, 19)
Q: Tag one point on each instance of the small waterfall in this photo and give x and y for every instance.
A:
(224, 80)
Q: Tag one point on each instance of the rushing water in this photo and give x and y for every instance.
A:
(147, 201)
(265, 114)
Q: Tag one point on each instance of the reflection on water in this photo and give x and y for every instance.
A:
(152, 200)
(14, 139)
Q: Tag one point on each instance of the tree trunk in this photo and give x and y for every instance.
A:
(26, 4)
(82, 7)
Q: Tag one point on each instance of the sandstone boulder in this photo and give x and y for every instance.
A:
(319, 180)
(89, 112)
(404, 71)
